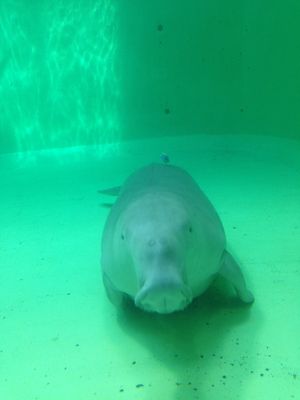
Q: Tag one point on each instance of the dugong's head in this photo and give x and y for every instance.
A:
(157, 236)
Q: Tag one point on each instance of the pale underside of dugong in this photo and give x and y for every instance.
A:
(163, 242)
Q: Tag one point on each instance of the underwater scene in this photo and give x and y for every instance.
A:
(149, 200)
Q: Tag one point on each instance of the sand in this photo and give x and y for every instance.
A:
(60, 338)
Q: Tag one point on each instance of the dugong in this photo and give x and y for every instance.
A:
(163, 242)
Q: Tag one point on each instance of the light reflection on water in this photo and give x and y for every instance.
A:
(58, 74)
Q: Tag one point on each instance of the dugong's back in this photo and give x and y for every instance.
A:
(165, 178)
(169, 179)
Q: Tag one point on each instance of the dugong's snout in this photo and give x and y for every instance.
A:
(165, 298)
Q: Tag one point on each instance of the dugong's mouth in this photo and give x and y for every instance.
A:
(163, 299)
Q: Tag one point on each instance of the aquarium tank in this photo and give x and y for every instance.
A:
(91, 93)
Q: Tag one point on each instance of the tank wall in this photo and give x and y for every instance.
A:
(89, 72)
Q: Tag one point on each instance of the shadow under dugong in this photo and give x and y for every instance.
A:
(190, 344)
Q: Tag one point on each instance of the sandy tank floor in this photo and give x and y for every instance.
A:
(60, 338)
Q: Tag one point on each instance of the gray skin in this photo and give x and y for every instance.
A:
(163, 242)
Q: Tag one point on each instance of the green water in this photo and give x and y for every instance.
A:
(89, 92)
(60, 336)
(95, 71)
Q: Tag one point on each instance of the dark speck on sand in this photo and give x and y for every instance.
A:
(139, 385)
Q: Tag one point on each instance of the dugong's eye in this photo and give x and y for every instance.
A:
(190, 229)
(122, 237)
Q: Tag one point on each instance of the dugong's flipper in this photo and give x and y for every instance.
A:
(231, 271)
(114, 191)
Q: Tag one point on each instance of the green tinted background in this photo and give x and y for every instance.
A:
(90, 72)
